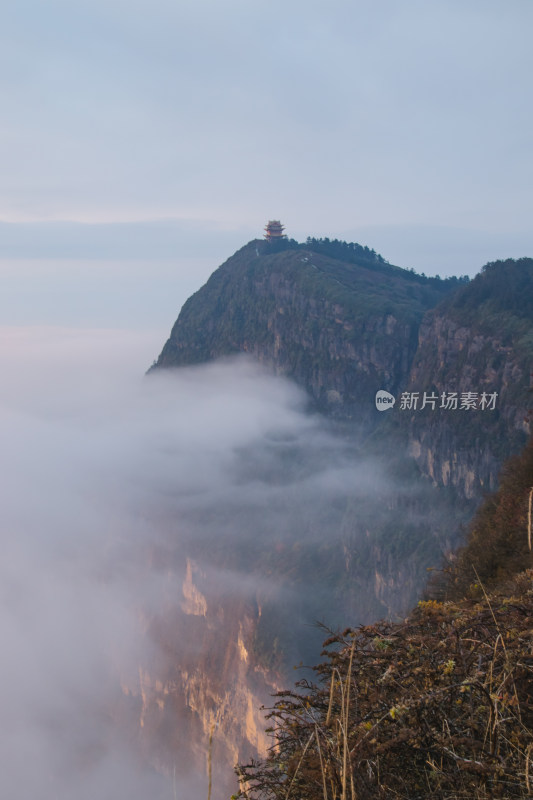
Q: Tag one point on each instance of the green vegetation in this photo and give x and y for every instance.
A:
(345, 251)
(353, 253)
(498, 298)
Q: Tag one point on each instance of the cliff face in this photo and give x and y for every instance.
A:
(339, 329)
(199, 699)
(344, 331)
(461, 449)
(218, 654)
(481, 341)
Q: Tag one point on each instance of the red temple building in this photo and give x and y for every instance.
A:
(274, 230)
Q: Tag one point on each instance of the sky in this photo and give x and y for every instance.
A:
(161, 136)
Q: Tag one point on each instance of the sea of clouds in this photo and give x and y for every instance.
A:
(101, 466)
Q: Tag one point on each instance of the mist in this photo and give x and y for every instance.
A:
(113, 481)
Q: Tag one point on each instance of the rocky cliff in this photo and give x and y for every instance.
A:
(343, 328)
(196, 703)
(478, 341)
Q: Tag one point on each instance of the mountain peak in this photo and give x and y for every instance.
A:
(333, 315)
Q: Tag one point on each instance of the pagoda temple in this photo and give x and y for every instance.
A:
(274, 230)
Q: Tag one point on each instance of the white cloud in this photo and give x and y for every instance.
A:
(101, 467)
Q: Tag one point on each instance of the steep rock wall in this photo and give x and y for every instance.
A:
(465, 448)
(342, 334)
(199, 698)
(342, 331)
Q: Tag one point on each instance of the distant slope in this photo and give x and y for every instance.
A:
(478, 339)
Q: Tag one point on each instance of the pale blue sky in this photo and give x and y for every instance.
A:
(403, 125)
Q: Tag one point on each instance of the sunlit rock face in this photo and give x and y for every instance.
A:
(198, 708)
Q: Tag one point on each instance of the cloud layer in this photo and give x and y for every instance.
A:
(112, 480)
(100, 468)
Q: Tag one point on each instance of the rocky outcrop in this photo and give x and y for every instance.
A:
(199, 698)
(485, 349)
(344, 331)
(341, 330)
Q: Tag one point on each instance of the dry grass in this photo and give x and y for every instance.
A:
(440, 706)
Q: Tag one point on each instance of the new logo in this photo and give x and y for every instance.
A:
(384, 400)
